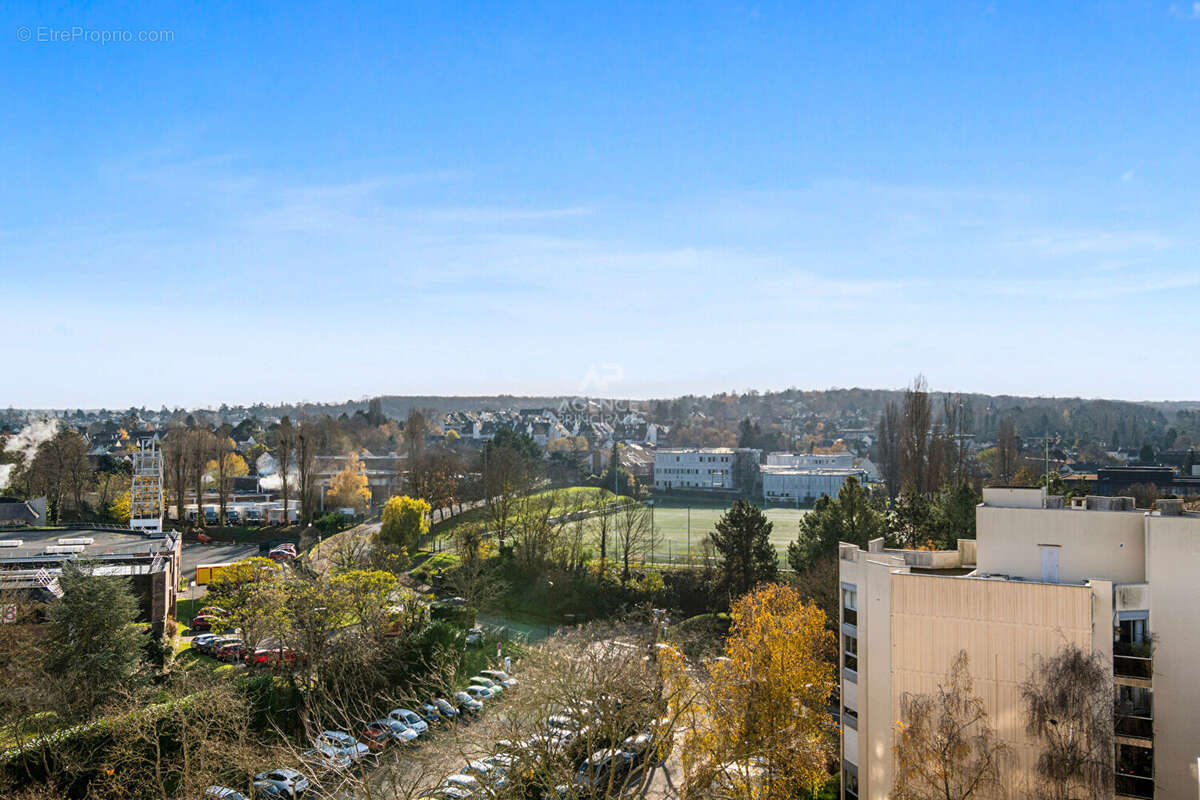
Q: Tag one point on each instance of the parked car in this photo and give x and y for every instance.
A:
(282, 552)
(211, 646)
(398, 730)
(501, 677)
(204, 622)
(409, 718)
(466, 783)
(488, 683)
(445, 708)
(475, 636)
(270, 658)
(603, 769)
(430, 713)
(223, 793)
(344, 744)
(230, 651)
(375, 737)
(202, 641)
(447, 793)
(467, 703)
(286, 782)
(480, 693)
(325, 759)
(647, 748)
(491, 772)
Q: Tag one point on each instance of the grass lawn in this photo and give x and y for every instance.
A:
(570, 497)
(673, 519)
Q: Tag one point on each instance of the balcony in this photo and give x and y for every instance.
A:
(1135, 727)
(1135, 786)
(1132, 660)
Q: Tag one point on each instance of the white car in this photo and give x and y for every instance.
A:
(464, 782)
(501, 677)
(409, 718)
(479, 693)
(487, 683)
(489, 771)
(396, 730)
(326, 759)
(469, 702)
(344, 744)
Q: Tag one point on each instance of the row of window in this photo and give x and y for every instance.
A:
(688, 471)
(711, 459)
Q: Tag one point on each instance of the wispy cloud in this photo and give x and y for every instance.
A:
(1098, 242)
(1185, 11)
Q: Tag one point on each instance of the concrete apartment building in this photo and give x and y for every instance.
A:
(717, 469)
(1097, 574)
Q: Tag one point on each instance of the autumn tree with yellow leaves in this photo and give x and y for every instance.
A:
(761, 727)
(348, 488)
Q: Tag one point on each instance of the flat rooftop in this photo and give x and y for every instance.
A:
(24, 544)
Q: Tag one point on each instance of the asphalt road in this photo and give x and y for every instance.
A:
(195, 554)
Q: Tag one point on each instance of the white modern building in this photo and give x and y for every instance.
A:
(1097, 574)
(803, 485)
(842, 460)
(704, 469)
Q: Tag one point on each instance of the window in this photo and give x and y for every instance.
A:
(850, 782)
(849, 604)
(850, 717)
(850, 651)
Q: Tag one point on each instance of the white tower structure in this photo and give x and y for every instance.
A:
(146, 493)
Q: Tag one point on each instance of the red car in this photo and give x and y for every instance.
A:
(283, 552)
(270, 658)
(229, 652)
(205, 622)
(375, 737)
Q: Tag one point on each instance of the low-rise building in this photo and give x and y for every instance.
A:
(803, 485)
(706, 469)
(30, 561)
(1097, 574)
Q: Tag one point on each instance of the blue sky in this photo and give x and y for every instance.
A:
(300, 201)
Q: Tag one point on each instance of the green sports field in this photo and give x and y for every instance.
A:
(674, 519)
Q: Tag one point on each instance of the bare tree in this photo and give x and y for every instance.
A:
(889, 448)
(914, 438)
(285, 443)
(415, 428)
(602, 513)
(306, 465)
(632, 530)
(201, 444)
(175, 463)
(1006, 451)
(1069, 707)
(946, 749)
(506, 479)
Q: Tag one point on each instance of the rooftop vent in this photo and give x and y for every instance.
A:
(1101, 503)
(84, 540)
(10, 542)
(64, 548)
(1169, 508)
